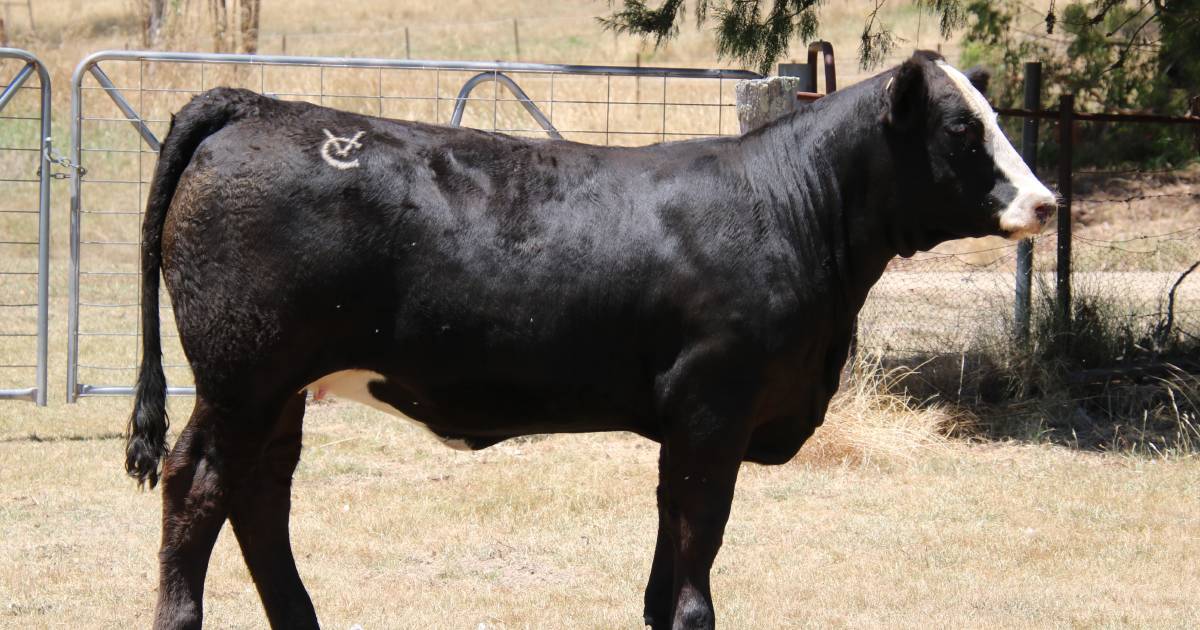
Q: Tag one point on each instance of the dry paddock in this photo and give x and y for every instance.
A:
(882, 528)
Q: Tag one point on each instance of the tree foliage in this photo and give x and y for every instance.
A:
(1114, 55)
(757, 33)
(1114, 46)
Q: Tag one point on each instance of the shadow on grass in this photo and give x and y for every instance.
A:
(35, 438)
(1150, 408)
(1106, 385)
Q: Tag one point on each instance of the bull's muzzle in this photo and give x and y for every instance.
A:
(1028, 214)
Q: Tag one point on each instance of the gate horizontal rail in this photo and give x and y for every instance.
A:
(603, 110)
(14, 313)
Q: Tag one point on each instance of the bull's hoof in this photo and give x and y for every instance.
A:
(695, 616)
(656, 621)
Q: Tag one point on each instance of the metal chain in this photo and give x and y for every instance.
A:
(62, 161)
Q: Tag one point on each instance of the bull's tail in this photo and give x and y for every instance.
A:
(146, 439)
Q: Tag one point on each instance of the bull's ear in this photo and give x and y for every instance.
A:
(907, 96)
(979, 77)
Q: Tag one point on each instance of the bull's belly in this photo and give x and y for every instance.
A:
(355, 385)
(464, 426)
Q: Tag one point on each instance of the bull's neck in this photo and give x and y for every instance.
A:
(823, 171)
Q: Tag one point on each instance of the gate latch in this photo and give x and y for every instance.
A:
(61, 160)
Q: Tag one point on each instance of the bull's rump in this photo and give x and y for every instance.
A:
(501, 281)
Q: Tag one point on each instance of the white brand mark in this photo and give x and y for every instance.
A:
(336, 149)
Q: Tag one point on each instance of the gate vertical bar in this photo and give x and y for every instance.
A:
(1066, 125)
(33, 65)
(1029, 141)
(73, 272)
(44, 175)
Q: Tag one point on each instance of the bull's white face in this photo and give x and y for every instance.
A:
(1023, 203)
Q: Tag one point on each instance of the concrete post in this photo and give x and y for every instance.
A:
(759, 101)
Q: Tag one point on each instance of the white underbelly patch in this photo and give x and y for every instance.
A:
(354, 385)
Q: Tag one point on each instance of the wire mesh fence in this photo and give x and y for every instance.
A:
(1136, 243)
(945, 301)
(24, 225)
(594, 104)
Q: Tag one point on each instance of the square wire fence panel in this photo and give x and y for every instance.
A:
(605, 108)
(22, 215)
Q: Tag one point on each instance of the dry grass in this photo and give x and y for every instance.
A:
(882, 523)
(874, 422)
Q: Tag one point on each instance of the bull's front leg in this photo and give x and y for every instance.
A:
(699, 491)
(660, 594)
(706, 437)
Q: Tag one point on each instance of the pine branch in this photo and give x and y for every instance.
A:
(1124, 54)
(950, 14)
(874, 45)
(1129, 18)
(638, 19)
(757, 36)
(1105, 7)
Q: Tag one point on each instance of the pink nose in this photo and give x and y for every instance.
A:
(1044, 211)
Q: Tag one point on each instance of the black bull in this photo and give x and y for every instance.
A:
(700, 294)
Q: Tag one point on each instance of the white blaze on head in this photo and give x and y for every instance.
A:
(1032, 203)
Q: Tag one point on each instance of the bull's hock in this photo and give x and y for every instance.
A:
(759, 101)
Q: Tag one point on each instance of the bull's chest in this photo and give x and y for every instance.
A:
(795, 395)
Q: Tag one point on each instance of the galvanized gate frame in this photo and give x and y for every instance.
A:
(37, 393)
(487, 71)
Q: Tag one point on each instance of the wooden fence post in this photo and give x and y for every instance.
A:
(516, 39)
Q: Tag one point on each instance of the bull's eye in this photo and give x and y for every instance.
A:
(957, 128)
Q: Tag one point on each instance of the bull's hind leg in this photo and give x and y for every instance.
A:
(216, 456)
(196, 479)
(259, 514)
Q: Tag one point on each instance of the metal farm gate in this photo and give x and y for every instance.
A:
(24, 226)
(121, 103)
